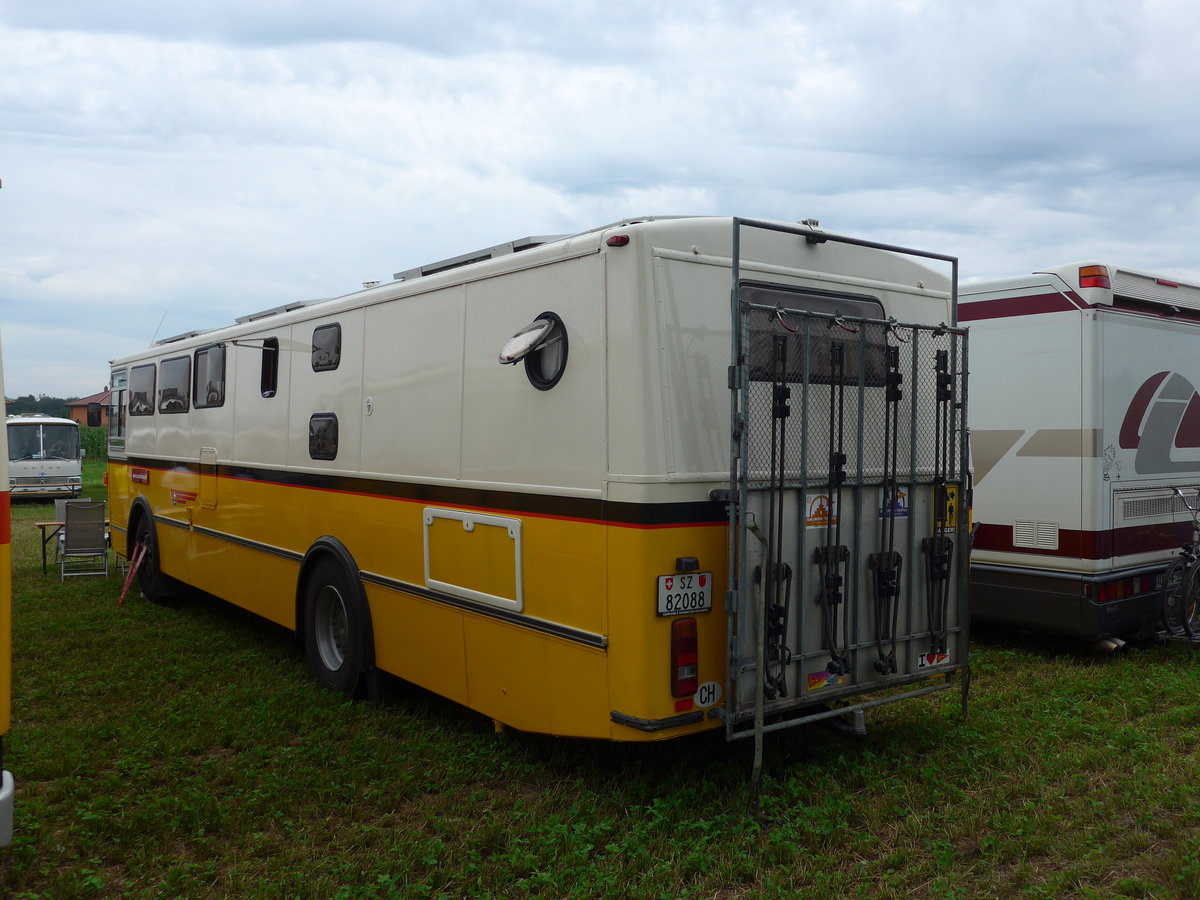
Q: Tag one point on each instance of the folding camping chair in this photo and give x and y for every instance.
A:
(84, 544)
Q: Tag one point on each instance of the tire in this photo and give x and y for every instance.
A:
(1176, 581)
(1190, 605)
(155, 586)
(336, 628)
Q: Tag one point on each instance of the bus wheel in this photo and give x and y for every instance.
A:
(155, 586)
(335, 627)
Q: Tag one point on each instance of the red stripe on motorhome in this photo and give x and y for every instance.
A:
(1026, 305)
(1091, 544)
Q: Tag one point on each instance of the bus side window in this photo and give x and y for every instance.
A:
(326, 347)
(269, 381)
(323, 436)
(141, 390)
(209, 382)
(173, 377)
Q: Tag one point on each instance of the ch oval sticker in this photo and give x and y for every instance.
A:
(707, 694)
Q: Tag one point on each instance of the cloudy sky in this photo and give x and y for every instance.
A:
(167, 166)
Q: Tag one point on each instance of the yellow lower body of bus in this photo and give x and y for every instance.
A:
(567, 640)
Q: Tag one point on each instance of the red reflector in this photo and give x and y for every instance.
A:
(618, 240)
(684, 705)
(684, 661)
(1094, 276)
(1166, 283)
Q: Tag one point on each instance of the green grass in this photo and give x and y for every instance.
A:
(185, 752)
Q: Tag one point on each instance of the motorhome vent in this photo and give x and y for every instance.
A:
(1036, 535)
(1140, 286)
(1151, 507)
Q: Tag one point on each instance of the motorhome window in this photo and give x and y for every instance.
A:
(326, 347)
(323, 436)
(173, 376)
(863, 344)
(116, 408)
(545, 365)
(141, 391)
(210, 377)
(269, 379)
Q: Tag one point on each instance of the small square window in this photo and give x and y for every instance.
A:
(326, 347)
(323, 436)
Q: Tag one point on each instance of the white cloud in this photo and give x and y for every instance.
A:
(208, 160)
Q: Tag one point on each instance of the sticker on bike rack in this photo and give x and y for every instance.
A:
(818, 680)
(821, 511)
(898, 507)
(929, 660)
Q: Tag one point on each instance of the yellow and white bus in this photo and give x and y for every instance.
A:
(7, 787)
(537, 479)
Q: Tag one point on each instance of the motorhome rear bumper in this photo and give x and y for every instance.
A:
(1062, 602)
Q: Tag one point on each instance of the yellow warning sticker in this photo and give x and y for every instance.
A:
(945, 508)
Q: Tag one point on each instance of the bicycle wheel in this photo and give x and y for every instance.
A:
(1175, 586)
(1189, 614)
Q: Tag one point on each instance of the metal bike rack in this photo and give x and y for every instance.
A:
(848, 554)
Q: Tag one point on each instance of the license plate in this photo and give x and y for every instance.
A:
(679, 595)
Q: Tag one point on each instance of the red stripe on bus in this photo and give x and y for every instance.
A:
(1028, 305)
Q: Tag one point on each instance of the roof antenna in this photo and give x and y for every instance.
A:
(159, 328)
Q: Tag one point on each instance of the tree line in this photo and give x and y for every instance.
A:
(49, 406)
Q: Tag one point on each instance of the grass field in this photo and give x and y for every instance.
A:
(164, 752)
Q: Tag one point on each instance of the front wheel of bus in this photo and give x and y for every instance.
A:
(334, 628)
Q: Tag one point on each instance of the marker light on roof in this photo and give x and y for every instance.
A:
(618, 240)
(1165, 283)
(1094, 276)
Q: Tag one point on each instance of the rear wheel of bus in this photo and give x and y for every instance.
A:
(336, 628)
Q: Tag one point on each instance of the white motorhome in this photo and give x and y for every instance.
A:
(45, 459)
(662, 476)
(1084, 419)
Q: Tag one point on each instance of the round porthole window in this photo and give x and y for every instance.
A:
(542, 344)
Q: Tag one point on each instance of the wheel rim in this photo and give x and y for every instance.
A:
(331, 628)
(146, 570)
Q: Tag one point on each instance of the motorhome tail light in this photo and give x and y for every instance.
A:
(618, 240)
(1094, 276)
(1109, 591)
(684, 658)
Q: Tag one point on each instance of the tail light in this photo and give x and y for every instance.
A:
(1108, 591)
(684, 658)
(1094, 276)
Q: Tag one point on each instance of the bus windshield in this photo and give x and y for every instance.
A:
(36, 440)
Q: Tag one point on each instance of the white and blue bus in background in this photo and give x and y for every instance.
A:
(45, 459)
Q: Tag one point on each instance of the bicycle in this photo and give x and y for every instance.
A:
(1181, 581)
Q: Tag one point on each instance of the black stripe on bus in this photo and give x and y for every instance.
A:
(706, 512)
(598, 641)
(291, 555)
(587, 638)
